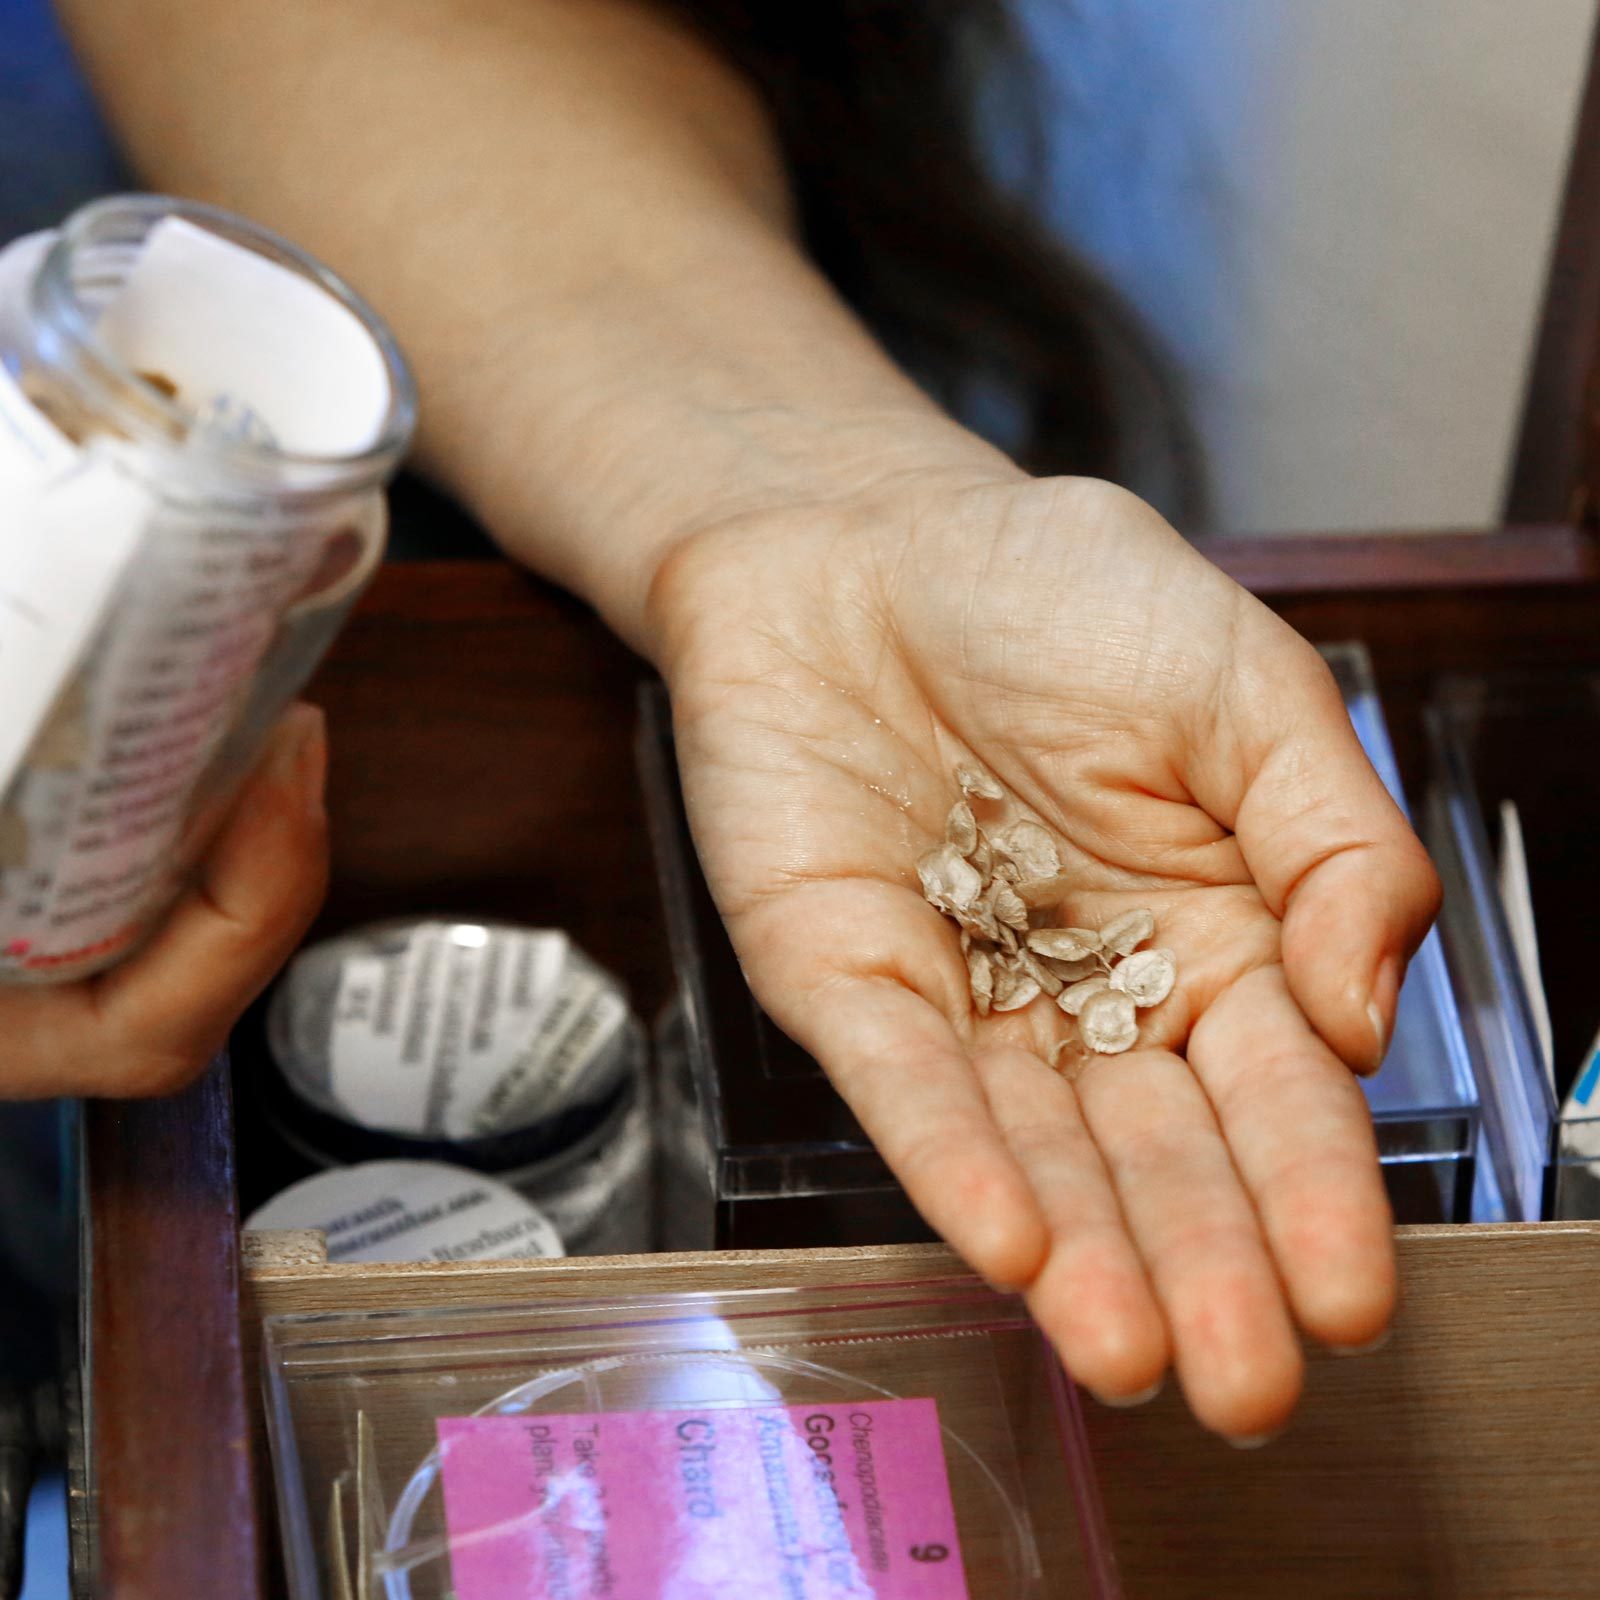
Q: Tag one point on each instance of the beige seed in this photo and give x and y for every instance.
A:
(974, 781)
(1065, 944)
(1007, 939)
(979, 919)
(1146, 977)
(1014, 990)
(960, 828)
(980, 975)
(1076, 996)
(1108, 1022)
(1048, 982)
(949, 880)
(981, 855)
(1073, 971)
(1008, 907)
(1123, 935)
(1030, 847)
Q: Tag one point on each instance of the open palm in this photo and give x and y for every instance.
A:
(1188, 1201)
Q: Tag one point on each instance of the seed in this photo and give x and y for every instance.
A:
(975, 781)
(1030, 847)
(1146, 977)
(1008, 907)
(1109, 1023)
(1073, 971)
(960, 828)
(1040, 973)
(980, 975)
(1073, 999)
(1065, 944)
(1122, 935)
(1001, 889)
(949, 880)
(1014, 990)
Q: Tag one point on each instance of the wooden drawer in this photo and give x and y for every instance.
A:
(481, 728)
(1456, 1462)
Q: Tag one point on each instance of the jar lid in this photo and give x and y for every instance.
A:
(412, 1211)
(450, 1030)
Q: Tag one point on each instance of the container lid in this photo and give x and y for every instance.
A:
(902, 1441)
(450, 1030)
(412, 1211)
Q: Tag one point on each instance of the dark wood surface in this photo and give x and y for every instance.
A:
(481, 725)
(482, 737)
(1287, 566)
(1555, 473)
(1455, 1464)
(172, 1476)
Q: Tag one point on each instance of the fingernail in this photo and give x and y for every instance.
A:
(1251, 1441)
(1367, 1349)
(300, 761)
(1381, 1007)
(1125, 1402)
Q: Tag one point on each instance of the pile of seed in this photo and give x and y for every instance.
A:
(1001, 887)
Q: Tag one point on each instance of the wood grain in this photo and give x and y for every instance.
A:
(482, 762)
(1279, 566)
(1456, 1462)
(171, 1473)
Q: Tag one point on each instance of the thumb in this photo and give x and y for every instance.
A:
(1337, 862)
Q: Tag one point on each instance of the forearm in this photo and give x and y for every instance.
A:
(576, 220)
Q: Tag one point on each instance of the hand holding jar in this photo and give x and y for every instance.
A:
(196, 423)
(148, 1025)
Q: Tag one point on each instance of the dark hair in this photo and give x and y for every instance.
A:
(880, 109)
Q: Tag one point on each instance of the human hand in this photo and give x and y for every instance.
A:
(1190, 1201)
(148, 1026)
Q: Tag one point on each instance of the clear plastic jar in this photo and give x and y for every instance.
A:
(225, 514)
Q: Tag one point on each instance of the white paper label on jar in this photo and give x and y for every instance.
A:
(165, 684)
(88, 846)
(70, 521)
(470, 1031)
(412, 1211)
(64, 546)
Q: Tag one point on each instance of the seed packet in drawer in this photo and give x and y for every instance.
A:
(902, 1442)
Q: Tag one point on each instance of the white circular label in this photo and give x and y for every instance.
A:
(450, 1030)
(412, 1211)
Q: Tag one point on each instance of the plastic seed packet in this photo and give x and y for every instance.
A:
(911, 1441)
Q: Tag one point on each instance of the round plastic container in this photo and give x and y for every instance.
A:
(412, 1211)
(493, 1047)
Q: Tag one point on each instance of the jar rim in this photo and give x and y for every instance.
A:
(57, 300)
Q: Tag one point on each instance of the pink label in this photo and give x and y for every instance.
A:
(824, 1502)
